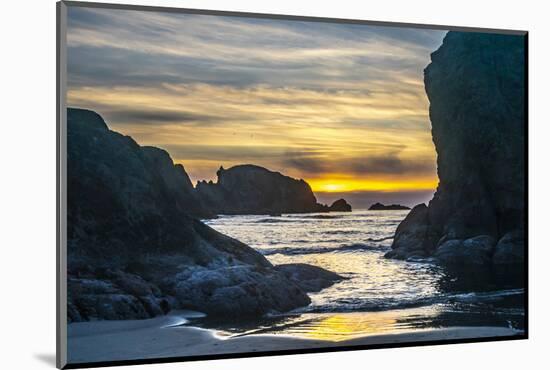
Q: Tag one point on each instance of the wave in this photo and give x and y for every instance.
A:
(380, 240)
(296, 219)
(342, 232)
(322, 217)
(384, 304)
(485, 296)
(274, 221)
(290, 251)
(305, 241)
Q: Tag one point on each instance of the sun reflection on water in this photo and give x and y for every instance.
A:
(346, 326)
(340, 327)
(377, 296)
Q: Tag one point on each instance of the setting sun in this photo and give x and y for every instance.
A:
(358, 184)
(331, 187)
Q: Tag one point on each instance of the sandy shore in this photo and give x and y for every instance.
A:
(161, 337)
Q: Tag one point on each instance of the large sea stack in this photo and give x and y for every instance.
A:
(251, 189)
(135, 248)
(476, 87)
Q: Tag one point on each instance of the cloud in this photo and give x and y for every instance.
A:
(151, 117)
(305, 164)
(229, 50)
(221, 153)
(365, 165)
(309, 99)
(390, 164)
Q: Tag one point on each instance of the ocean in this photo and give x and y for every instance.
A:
(380, 295)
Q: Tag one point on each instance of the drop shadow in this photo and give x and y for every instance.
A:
(46, 358)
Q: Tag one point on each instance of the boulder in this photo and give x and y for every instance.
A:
(309, 278)
(411, 238)
(238, 290)
(510, 249)
(469, 252)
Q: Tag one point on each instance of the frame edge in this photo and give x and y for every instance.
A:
(61, 211)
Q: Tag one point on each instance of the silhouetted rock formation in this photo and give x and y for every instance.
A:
(250, 189)
(134, 251)
(392, 207)
(340, 205)
(475, 84)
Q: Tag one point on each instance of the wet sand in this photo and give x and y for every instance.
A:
(165, 337)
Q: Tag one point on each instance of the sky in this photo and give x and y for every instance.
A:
(340, 105)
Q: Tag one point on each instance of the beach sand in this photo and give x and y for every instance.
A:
(161, 337)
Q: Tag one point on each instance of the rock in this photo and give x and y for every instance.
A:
(392, 207)
(309, 278)
(476, 87)
(135, 248)
(510, 249)
(340, 205)
(412, 235)
(92, 299)
(469, 252)
(238, 291)
(176, 180)
(132, 284)
(251, 189)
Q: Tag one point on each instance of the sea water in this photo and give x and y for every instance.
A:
(379, 295)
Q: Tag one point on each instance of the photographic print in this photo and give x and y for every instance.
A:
(238, 184)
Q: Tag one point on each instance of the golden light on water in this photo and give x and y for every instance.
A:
(340, 327)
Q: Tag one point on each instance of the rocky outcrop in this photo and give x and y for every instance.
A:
(510, 249)
(476, 87)
(469, 252)
(413, 236)
(340, 205)
(309, 278)
(135, 249)
(391, 207)
(250, 189)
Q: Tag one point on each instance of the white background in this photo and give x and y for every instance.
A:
(27, 182)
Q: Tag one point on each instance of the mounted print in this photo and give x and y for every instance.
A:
(236, 184)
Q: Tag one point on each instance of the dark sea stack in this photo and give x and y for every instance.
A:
(391, 207)
(340, 205)
(250, 189)
(135, 248)
(475, 84)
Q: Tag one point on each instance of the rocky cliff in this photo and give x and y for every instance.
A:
(476, 87)
(135, 249)
(250, 189)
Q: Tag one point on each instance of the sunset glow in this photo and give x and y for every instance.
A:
(345, 185)
(342, 107)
